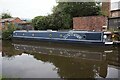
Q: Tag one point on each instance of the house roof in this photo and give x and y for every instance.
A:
(22, 22)
(8, 19)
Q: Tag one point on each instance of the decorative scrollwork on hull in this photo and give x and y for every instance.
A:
(72, 34)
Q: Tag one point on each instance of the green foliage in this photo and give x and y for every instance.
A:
(78, 9)
(0, 77)
(59, 21)
(40, 22)
(5, 15)
(51, 22)
(7, 34)
(63, 15)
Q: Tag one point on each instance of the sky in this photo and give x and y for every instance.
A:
(28, 8)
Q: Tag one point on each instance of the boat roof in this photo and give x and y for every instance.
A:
(70, 31)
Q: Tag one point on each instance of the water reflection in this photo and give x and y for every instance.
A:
(0, 58)
(59, 60)
(0, 65)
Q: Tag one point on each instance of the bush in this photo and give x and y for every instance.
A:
(7, 34)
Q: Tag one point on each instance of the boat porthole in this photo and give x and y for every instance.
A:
(32, 34)
(16, 34)
(60, 35)
(50, 35)
(84, 36)
(23, 34)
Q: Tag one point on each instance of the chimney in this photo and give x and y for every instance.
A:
(106, 7)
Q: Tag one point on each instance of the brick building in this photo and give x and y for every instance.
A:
(90, 23)
(115, 9)
(97, 23)
(106, 7)
(9, 21)
(114, 20)
(14, 23)
(115, 13)
(0, 25)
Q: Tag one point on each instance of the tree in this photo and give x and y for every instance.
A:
(78, 9)
(61, 21)
(54, 22)
(63, 14)
(40, 22)
(5, 15)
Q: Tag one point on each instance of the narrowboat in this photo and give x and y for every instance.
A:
(72, 36)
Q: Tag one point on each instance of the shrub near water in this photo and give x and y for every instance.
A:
(7, 34)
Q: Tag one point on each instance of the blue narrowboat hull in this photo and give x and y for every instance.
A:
(57, 40)
(83, 37)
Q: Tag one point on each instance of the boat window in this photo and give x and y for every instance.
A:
(84, 36)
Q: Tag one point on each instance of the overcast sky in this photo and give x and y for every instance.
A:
(28, 8)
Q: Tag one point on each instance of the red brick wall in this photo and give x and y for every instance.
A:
(89, 23)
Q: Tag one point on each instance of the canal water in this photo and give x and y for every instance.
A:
(31, 59)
